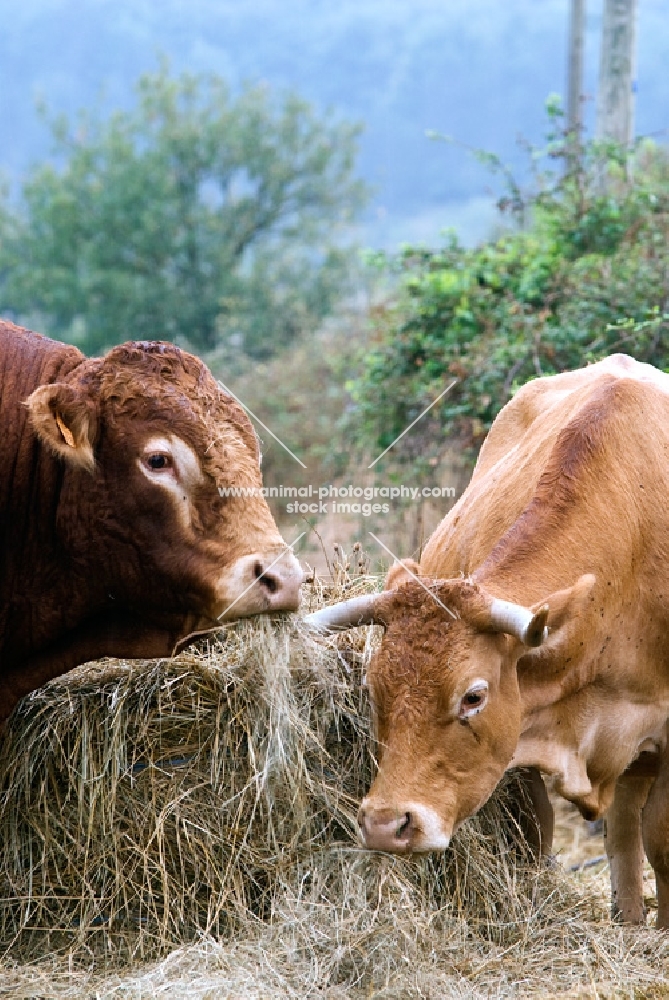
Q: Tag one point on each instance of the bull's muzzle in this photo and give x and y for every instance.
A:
(261, 583)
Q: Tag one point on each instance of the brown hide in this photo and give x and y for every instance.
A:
(567, 507)
(115, 538)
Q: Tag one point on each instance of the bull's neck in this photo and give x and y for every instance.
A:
(42, 593)
(27, 361)
(31, 482)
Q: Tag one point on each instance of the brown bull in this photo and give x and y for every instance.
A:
(115, 538)
(536, 632)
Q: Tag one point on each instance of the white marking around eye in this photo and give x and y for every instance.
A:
(181, 478)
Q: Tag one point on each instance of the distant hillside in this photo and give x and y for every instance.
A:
(477, 69)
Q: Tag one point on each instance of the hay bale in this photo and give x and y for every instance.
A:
(145, 805)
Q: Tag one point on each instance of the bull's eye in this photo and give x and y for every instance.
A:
(158, 462)
(474, 700)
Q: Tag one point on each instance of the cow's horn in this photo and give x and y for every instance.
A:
(514, 619)
(347, 614)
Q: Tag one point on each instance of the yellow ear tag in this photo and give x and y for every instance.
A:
(65, 431)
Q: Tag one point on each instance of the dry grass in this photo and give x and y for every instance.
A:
(198, 813)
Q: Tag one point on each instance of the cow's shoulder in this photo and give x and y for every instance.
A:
(558, 442)
(609, 420)
(543, 406)
(593, 474)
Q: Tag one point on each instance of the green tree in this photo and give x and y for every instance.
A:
(198, 215)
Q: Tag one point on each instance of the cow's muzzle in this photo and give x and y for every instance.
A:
(401, 830)
(386, 830)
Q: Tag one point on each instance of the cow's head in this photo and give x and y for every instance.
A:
(150, 444)
(445, 698)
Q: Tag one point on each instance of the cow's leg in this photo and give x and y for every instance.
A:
(656, 838)
(624, 848)
(535, 812)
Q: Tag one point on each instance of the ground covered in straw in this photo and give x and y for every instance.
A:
(186, 828)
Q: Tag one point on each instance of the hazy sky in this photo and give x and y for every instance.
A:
(479, 70)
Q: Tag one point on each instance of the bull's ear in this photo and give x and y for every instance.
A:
(64, 422)
(401, 572)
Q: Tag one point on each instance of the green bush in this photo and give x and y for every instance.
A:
(586, 276)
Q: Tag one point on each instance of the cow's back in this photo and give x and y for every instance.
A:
(521, 443)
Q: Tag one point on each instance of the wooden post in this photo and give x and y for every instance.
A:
(575, 83)
(615, 98)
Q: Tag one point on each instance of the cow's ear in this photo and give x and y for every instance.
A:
(545, 620)
(566, 606)
(64, 422)
(401, 572)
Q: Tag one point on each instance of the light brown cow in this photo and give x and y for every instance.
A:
(537, 633)
(115, 538)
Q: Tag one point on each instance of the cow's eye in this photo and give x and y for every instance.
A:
(158, 462)
(474, 700)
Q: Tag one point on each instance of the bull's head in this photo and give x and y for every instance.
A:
(446, 702)
(153, 453)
